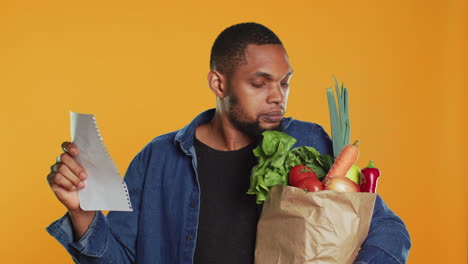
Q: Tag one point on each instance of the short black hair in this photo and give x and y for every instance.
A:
(228, 51)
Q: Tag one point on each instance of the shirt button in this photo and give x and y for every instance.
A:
(188, 237)
(192, 204)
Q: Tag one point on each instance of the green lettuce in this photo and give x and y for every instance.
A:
(276, 158)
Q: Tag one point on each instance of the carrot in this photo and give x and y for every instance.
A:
(345, 160)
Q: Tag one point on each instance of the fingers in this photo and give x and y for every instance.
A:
(72, 165)
(70, 148)
(62, 176)
(61, 181)
(66, 173)
(72, 177)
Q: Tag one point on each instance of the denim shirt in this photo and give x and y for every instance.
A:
(165, 194)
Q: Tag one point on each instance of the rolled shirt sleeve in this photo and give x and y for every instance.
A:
(93, 243)
(110, 239)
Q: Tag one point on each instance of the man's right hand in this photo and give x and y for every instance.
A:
(65, 179)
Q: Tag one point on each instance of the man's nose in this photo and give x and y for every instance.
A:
(277, 94)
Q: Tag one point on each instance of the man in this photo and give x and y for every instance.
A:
(188, 188)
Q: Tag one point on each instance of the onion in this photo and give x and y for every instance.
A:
(340, 184)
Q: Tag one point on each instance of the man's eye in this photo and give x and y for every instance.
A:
(284, 84)
(258, 85)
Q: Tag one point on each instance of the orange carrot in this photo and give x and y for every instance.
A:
(345, 160)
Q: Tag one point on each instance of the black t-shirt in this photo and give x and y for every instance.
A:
(228, 216)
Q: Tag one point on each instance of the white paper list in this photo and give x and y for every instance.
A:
(105, 189)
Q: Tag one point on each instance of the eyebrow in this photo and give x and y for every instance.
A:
(269, 76)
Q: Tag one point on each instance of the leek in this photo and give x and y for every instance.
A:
(339, 117)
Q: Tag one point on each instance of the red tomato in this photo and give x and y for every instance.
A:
(310, 184)
(300, 172)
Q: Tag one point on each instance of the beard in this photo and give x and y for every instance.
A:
(251, 129)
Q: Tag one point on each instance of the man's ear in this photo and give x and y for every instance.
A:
(217, 83)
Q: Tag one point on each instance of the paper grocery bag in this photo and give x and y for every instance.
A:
(296, 227)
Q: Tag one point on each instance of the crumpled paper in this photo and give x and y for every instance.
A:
(316, 227)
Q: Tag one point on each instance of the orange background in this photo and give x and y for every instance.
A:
(141, 68)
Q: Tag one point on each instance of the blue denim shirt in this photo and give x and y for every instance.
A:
(163, 185)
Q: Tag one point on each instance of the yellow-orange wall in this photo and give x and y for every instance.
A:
(141, 68)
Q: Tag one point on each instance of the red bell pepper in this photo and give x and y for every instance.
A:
(369, 177)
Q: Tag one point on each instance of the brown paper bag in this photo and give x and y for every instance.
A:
(316, 227)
